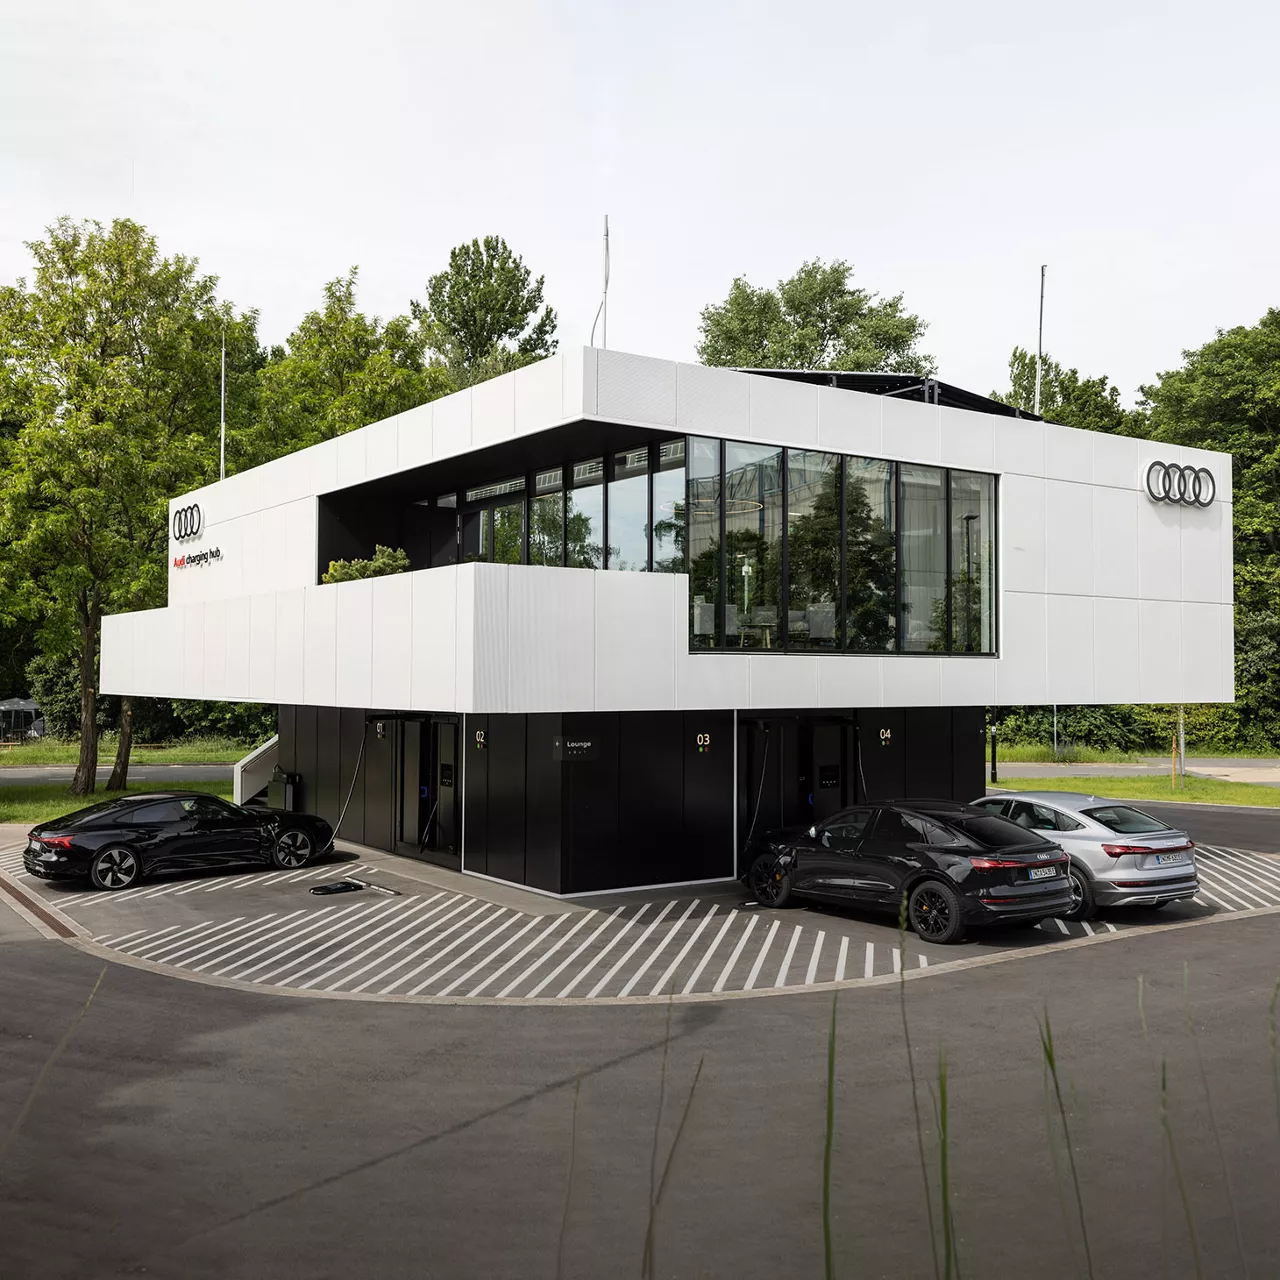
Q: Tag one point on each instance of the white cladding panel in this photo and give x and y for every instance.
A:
(1104, 595)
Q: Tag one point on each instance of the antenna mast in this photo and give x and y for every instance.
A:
(602, 311)
(1040, 340)
(222, 412)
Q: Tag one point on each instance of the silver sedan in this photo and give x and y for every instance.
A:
(1120, 856)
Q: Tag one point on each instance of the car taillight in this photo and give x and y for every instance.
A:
(58, 842)
(988, 864)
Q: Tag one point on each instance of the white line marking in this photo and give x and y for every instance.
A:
(1202, 892)
(578, 950)
(869, 965)
(924, 961)
(658, 950)
(702, 964)
(383, 956)
(524, 951)
(1249, 868)
(228, 937)
(484, 941)
(1087, 927)
(491, 956)
(781, 979)
(378, 950)
(411, 906)
(191, 935)
(1242, 874)
(170, 888)
(631, 950)
(764, 950)
(191, 888)
(1109, 926)
(897, 959)
(1220, 882)
(102, 897)
(812, 972)
(1062, 926)
(609, 946)
(154, 935)
(106, 939)
(470, 905)
(546, 955)
(483, 922)
(325, 918)
(239, 881)
(669, 972)
(326, 938)
(733, 959)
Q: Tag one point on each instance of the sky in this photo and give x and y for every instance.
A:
(945, 150)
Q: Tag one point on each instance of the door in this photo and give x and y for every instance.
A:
(829, 863)
(164, 834)
(897, 848)
(442, 833)
(224, 835)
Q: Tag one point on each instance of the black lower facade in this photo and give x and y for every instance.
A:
(582, 802)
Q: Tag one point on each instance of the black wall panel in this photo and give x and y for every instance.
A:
(759, 771)
(543, 804)
(708, 795)
(506, 751)
(305, 756)
(881, 755)
(968, 769)
(828, 770)
(591, 809)
(411, 747)
(928, 740)
(379, 785)
(650, 797)
(328, 798)
(286, 729)
(474, 762)
(350, 732)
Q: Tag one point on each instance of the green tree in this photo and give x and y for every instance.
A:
(341, 370)
(484, 314)
(386, 560)
(814, 320)
(109, 366)
(1065, 397)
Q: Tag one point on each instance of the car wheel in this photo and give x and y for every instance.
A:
(115, 868)
(293, 848)
(1083, 904)
(934, 912)
(769, 882)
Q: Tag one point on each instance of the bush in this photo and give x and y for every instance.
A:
(386, 560)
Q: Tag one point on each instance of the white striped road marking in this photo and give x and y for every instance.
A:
(172, 887)
(103, 896)
(715, 942)
(505, 914)
(1106, 924)
(764, 950)
(658, 950)
(483, 941)
(565, 963)
(781, 979)
(191, 888)
(1087, 927)
(239, 881)
(404, 911)
(546, 955)
(924, 961)
(491, 956)
(383, 955)
(669, 972)
(106, 940)
(154, 934)
(733, 958)
(186, 935)
(609, 946)
(227, 936)
(1062, 927)
(842, 959)
(812, 972)
(897, 959)
(470, 905)
(1220, 883)
(414, 920)
(323, 940)
(1238, 869)
(1265, 874)
(1202, 892)
(869, 965)
(524, 951)
(279, 937)
(635, 946)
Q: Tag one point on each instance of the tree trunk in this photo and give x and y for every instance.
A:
(86, 776)
(120, 770)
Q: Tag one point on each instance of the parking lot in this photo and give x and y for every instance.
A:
(418, 933)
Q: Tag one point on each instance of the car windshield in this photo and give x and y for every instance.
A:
(997, 832)
(1125, 820)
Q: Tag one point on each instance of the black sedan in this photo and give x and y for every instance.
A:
(955, 865)
(116, 843)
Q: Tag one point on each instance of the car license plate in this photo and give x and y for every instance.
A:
(1043, 873)
(1162, 858)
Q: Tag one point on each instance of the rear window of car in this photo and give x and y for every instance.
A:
(1125, 820)
(997, 832)
(161, 811)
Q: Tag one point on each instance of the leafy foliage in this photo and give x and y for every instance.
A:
(485, 314)
(814, 320)
(1092, 404)
(385, 561)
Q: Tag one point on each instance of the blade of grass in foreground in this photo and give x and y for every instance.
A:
(826, 1156)
(646, 1268)
(1275, 1057)
(951, 1256)
(1167, 1128)
(1213, 1119)
(911, 1070)
(1051, 1064)
(568, 1188)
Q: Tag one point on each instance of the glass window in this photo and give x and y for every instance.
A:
(497, 490)
(163, 811)
(972, 561)
(998, 833)
(924, 558)
(1035, 817)
(813, 549)
(629, 510)
(705, 626)
(1125, 820)
(753, 545)
(508, 533)
(584, 517)
(546, 520)
(871, 555)
(668, 509)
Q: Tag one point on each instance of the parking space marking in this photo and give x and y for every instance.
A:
(764, 951)
(781, 979)
(225, 937)
(491, 956)
(325, 938)
(635, 946)
(715, 942)
(486, 914)
(438, 935)
(816, 955)
(737, 951)
(407, 910)
(609, 946)
(382, 956)
(564, 964)
(184, 935)
(276, 937)
(1220, 882)
(896, 953)
(869, 963)
(670, 971)
(658, 950)
(524, 951)
(1087, 927)
(489, 927)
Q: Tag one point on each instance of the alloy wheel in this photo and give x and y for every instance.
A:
(1077, 891)
(930, 913)
(766, 882)
(117, 868)
(293, 848)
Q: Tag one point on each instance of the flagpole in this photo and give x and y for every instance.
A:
(222, 413)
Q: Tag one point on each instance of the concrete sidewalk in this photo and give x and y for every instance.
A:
(1259, 771)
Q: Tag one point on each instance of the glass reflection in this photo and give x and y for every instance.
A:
(668, 509)
(972, 563)
(753, 545)
(813, 549)
(546, 518)
(705, 627)
(629, 511)
(871, 555)
(584, 516)
(924, 558)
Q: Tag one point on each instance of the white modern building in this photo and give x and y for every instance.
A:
(652, 605)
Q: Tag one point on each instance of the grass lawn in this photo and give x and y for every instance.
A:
(1042, 753)
(1197, 790)
(42, 801)
(193, 751)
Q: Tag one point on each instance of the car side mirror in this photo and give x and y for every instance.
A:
(813, 833)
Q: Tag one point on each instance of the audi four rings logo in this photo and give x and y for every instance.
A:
(1191, 486)
(187, 522)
